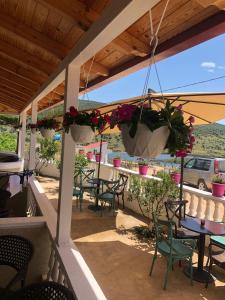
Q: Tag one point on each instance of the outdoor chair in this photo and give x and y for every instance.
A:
(82, 184)
(4, 181)
(173, 208)
(4, 197)
(171, 248)
(15, 252)
(217, 256)
(123, 179)
(42, 291)
(107, 194)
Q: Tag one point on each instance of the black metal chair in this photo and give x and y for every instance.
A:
(107, 194)
(42, 291)
(175, 211)
(4, 197)
(15, 252)
(123, 179)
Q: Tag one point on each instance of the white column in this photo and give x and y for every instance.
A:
(72, 83)
(22, 135)
(33, 136)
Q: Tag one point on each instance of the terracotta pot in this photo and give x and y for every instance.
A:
(89, 155)
(82, 134)
(175, 177)
(47, 133)
(145, 143)
(143, 169)
(116, 162)
(218, 189)
(97, 157)
(81, 151)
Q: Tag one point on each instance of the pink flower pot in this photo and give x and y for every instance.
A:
(143, 169)
(117, 162)
(175, 177)
(89, 155)
(97, 157)
(218, 189)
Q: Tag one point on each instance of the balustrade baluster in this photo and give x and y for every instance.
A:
(216, 215)
(60, 276)
(200, 213)
(192, 211)
(208, 212)
(55, 270)
(50, 264)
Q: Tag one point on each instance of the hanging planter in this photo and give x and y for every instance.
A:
(145, 143)
(47, 127)
(146, 132)
(84, 124)
(32, 127)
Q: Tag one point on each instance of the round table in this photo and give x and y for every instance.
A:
(210, 228)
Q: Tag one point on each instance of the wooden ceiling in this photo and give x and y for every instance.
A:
(35, 36)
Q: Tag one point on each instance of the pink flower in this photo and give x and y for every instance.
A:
(191, 119)
(94, 120)
(181, 153)
(125, 112)
(179, 107)
(73, 111)
(106, 118)
(192, 139)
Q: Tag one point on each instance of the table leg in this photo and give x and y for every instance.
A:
(199, 274)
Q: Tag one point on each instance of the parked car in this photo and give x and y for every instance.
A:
(198, 171)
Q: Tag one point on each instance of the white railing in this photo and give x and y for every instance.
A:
(66, 265)
(201, 204)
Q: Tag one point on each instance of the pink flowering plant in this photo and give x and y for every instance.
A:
(181, 138)
(93, 119)
(218, 178)
(47, 124)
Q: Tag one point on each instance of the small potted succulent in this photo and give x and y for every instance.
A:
(89, 155)
(98, 157)
(142, 166)
(83, 124)
(218, 185)
(175, 175)
(47, 127)
(117, 162)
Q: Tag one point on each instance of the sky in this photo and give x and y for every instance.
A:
(202, 62)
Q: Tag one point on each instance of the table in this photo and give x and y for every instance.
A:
(210, 228)
(97, 182)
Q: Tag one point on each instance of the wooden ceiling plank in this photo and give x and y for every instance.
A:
(78, 10)
(39, 17)
(7, 106)
(95, 67)
(33, 36)
(12, 97)
(14, 91)
(14, 86)
(17, 80)
(26, 58)
(21, 72)
(11, 93)
(11, 102)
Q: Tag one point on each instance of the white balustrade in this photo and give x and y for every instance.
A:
(200, 204)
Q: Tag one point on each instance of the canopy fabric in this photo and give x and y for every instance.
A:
(205, 107)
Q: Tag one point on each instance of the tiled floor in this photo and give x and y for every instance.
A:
(120, 262)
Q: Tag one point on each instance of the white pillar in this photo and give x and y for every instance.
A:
(33, 137)
(22, 135)
(72, 83)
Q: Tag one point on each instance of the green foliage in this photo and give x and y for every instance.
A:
(46, 153)
(9, 120)
(218, 178)
(8, 141)
(81, 161)
(151, 194)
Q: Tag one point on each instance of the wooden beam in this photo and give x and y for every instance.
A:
(14, 91)
(205, 30)
(116, 18)
(12, 98)
(21, 71)
(8, 106)
(8, 84)
(13, 94)
(218, 3)
(10, 103)
(87, 16)
(33, 36)
(28, 59)
(18, 80)
(95, 68)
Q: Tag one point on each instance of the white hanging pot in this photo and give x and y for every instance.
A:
(145, 143)
(82, 134)
(47, 133)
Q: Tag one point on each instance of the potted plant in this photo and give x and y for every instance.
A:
(218, 185)
(143, 167)
(117, 162)
(147, 132)
(84, 124)
(81, 151)
(98, 157)
(89, 155)
(175, 175)
(47, 127)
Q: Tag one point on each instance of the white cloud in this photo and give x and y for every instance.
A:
(208, 64)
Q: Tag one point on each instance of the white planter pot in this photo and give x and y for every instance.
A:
(47, 133)
(82, 134)
(146, 144)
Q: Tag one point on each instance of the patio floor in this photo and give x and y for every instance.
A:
(120, 262)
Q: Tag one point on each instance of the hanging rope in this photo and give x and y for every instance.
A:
(87, 78)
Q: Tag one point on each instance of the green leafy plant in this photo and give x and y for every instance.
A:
(45, 154)
(47, 124)
(142, 162)
(218, 178)
(151, 195)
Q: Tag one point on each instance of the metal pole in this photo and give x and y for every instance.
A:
(181, 184)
